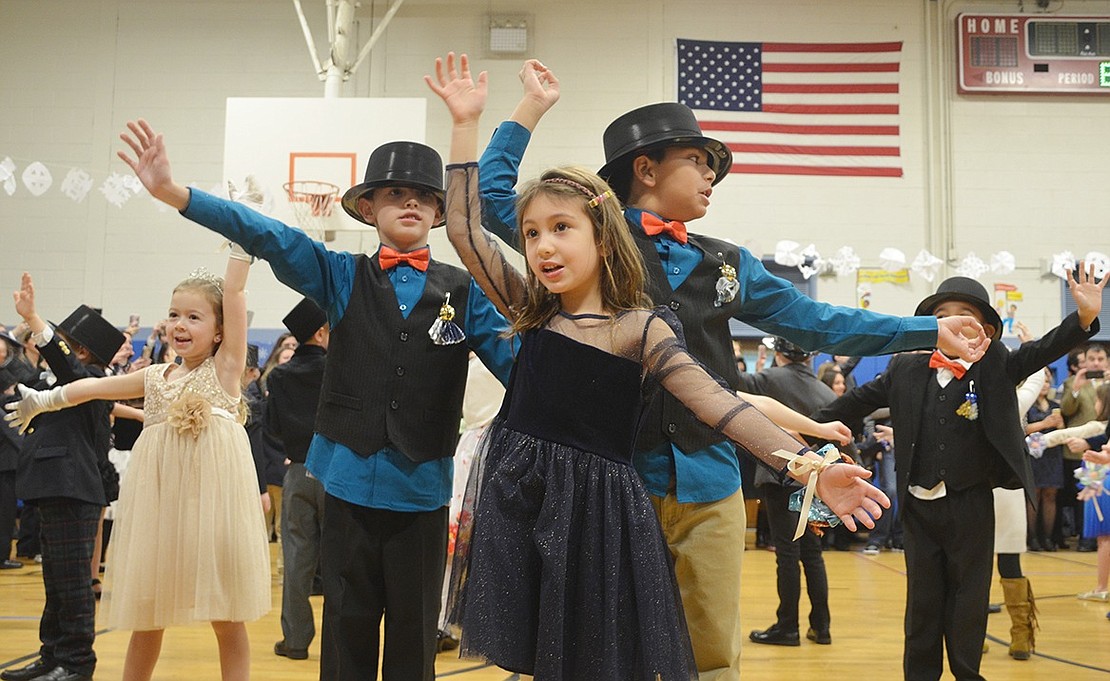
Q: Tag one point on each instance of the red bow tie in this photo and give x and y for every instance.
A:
(389, 258)
(938, 360)
(653, 225)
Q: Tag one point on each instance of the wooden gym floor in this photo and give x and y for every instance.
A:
(867, 598)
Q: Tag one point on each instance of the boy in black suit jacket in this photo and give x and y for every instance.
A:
(58, 473)
(959, 435)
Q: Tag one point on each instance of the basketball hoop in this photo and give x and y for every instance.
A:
(312, 202)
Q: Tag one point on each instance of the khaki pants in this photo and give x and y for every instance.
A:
(273, 519)
(707, 541)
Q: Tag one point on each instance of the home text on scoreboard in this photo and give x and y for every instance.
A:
(1033, 54)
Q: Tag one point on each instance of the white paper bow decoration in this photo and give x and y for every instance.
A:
(1101, 262)
(1003, 262)
(926, 265)
(786, 254)
(1062, 263)
(892, 259)
(972, 266)
(811, 263)
(844, 262)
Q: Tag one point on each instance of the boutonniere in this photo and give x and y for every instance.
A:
(727, 286)
(444, 330)
(970, 407)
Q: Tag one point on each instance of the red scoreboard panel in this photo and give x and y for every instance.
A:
(1033, 54)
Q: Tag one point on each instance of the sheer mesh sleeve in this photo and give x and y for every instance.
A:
(480, 254)
(666, 361)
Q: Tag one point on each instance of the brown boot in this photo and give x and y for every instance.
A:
(1023, 615)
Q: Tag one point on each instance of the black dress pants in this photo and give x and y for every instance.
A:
(381, 563)
(788, 553)
(68, 625)
(949, 546)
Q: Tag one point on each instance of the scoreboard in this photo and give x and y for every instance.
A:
(1033, 53)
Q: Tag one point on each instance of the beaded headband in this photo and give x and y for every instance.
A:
(594, 201)
(201, 274)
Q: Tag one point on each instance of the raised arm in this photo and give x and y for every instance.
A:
(500, 163)
(476, 247)
(231, 358)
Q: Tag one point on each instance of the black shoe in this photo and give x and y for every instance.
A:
(994, 609)
(62, 674)
(819, 636)
(291, 653)
(1086, 546)
(36, 668)
(775, 636)
(445, 641)
(10, 565)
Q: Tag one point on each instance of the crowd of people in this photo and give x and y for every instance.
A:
(596, 523)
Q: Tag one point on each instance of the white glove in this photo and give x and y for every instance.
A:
(34, 402)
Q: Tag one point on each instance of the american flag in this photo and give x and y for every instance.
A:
(797, 108)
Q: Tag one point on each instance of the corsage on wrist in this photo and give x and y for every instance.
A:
(810, 508)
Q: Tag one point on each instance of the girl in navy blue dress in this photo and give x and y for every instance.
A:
(567, 574)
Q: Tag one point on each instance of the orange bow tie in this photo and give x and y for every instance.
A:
(653, 225)
(938, 360)
(389, 258)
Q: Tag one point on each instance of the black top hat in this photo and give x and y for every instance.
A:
(656, 125)
(88, 328)
(967, 290)
(14, 346)
(304, 320)
(409, 164)
(795, 353)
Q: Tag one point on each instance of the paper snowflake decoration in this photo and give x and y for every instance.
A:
(1101, 262)
(7, 175)
(926, 265)
(1062, 263)
(811, 263)
(115, 190)
(37, 178)
(787, 255)
(1003, 262)
(972, 266)
(892, 259)
(844, 262)
(77, 184)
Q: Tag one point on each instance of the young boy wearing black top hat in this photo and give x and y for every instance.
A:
(58, 473)
(664, 169)
(294, 393)
(959, 435)
(391, 400)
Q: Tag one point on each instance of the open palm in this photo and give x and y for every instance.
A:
(150, 163)
(465, 98)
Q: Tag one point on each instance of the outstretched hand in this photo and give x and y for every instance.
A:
(151, 164)
(834, 431)
(845, 490)
(25, 297)
(962, 336)
(465, 98)
(1086, 292)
